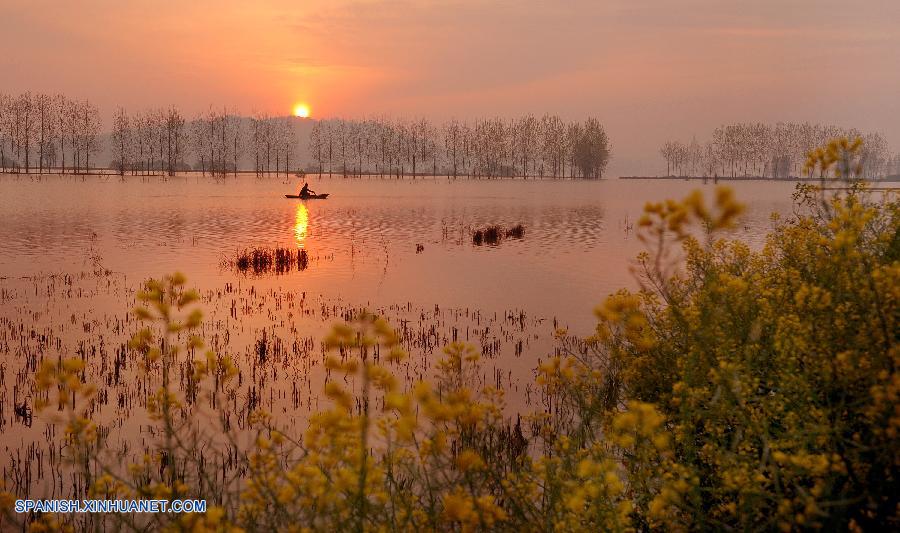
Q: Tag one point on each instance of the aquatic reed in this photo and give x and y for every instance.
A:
(493, 234)
(259, 261)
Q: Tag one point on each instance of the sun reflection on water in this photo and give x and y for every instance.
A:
(301, 224)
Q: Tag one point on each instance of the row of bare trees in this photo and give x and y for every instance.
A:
(523, 147)
(149, 142)
(161, 140)
(46, 133)
(762, 150)
(273, 140)
(43, 132)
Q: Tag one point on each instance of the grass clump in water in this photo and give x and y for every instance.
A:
(516, 232)
(259, 261)
(493, 234)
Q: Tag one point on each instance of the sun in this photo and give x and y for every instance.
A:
(301, 110)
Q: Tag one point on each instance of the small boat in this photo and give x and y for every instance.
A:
(308, 197)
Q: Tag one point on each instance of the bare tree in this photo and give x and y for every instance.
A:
(46, 129)
(553, 132)
(200, 141)
(141, 141)
(237, 142)
(526, 132)
(317, 146)
(286, 142)
(25, 127)
(122, 136)
(174, 139)
(757, 149)
(90, 131)
(5, 129)
(453, 142)
(668, 153)
(592, 149)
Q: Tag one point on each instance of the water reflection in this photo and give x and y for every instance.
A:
(578, 246)
(302, 221)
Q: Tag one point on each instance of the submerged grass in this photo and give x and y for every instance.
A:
(259, 261)
(492, 235)
(273, 336)
(516, 232)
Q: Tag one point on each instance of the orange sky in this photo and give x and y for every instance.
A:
(650, 70)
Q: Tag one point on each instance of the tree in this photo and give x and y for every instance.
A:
(175, 139)
(591, 154)
(237, 142)
(70, 129)
(5, 128)
(316, 146)
(122, 137)
(453, 144)
(553, 132)
(200, 141)
(526, 138)
(668, 153)
(46, 129)
(90, 131)
(24, 127)
(573, 134)
(142, 130)
(286, 141)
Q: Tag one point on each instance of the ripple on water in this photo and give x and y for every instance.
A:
(578, 239)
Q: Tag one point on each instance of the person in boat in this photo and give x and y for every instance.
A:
(306, 191)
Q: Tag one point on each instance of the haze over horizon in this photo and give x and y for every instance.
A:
(649, 72)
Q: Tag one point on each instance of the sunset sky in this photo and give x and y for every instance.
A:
(650, 70)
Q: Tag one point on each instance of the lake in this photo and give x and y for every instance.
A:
(362, 241)
(76, 249)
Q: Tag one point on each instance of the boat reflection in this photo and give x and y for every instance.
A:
(301, 224)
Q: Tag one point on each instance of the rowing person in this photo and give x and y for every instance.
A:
(306, 191)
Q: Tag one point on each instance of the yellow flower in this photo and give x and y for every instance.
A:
(468, 460)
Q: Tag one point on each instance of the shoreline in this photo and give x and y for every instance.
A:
(108, 173)
(888, 179)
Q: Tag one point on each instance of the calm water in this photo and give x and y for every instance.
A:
(74, 252)
(362, 241)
